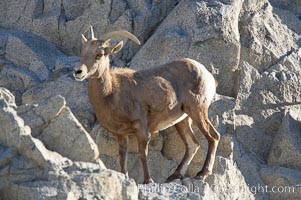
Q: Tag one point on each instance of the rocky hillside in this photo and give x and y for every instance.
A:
(51, 146)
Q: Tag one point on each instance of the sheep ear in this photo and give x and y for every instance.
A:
(117, 48)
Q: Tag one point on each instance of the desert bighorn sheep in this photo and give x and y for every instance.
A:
(146, 101)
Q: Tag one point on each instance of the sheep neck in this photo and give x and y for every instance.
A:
(100, 83)
(99, 89)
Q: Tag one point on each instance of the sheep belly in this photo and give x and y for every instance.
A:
(166, 123)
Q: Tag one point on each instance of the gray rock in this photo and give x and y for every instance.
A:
(106, 142)
(22, 169)
(75, 93)
(281, 183)
(293, 5)
(6, 155)
(274, 81)
(248, 76)
(17, 80)
(263, 38)
(34, 121)
(252, 139)
(30, 191)
(290, 19)
(76, 181)
(290, 62)
(226, 146)
(27, 60)
(48, 23)
(12, 12)
(50, 108)
(200, 187)
(250, 168)
(24, 48)
(40, 69)
(227, 181)
(60, 22)
(66, 62)
(166, 191)
(19, 53)
(57, 127)
(16, 134)
(37, 116)
(19, 169)
(65, 135)
(272, 93)
(285, 150)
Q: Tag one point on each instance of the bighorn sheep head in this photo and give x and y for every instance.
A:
(94, 56)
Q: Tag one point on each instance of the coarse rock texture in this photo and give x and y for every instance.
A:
(226, 183)
(285, 150)
(76, 95)
(55, 125)
(51, 146)
(25, 62)
(287, 182)
(28, 170)
(61, 21)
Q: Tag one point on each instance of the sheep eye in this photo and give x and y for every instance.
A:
(98, 56)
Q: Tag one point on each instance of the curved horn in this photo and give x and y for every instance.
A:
(92, 33)
(84, 39)
(126, 34)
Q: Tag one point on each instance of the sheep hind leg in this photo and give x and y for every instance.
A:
(191, 147)
(212, 137)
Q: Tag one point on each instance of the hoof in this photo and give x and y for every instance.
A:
(200, 178)
(126, 175)
(202, 175)
(173, 177)
(148, 181)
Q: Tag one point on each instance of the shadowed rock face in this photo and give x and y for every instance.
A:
(51, 144)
